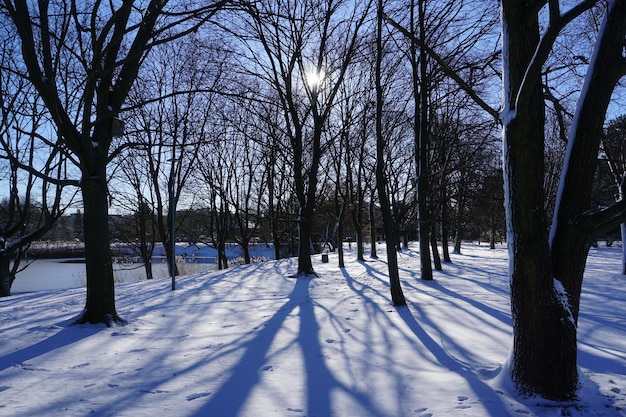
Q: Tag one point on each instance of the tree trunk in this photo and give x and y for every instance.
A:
(622, 229)
(544, 337)
(245, 246)
(435, 249)
(100, 305)
(170, 251)
(373, 237)
(444, 231)
(397, 296)
(357, 220)
(147, 264)
(277, 245)
(340, 242)
(6, 280)
(574, 227)
(420, 90)
(305, 265)
(458, 239)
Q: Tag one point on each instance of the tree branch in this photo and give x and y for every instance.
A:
(446, 68)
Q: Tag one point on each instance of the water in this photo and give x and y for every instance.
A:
(55, 274)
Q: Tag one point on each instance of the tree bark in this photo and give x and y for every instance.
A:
(6, 279)
(435, 249)
(544, 339)
(100, 304)
(305, 265)
(573, 231)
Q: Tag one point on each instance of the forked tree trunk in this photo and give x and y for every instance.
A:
(575, 228)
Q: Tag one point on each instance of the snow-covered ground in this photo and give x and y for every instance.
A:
(254, 341)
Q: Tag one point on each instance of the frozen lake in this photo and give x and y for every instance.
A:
(54, 274)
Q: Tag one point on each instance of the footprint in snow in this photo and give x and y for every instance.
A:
(196, 395)
(155, 391)
(80, 365)
(422, 413)
(330, 340)
(267, 368)
(461, 406)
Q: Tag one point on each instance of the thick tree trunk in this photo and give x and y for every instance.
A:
(147, 264)
(277, 245)
(305, 265)
(458, 239)
(544, 334)
(245, 247)
(100, 305)
(222, 259)
(544, 337)
(6, 280)
(574, 229)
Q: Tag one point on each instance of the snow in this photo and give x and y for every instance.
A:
(252, 341)
(563, 298)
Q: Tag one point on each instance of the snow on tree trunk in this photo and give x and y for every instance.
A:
(546, 271)
(544, 346)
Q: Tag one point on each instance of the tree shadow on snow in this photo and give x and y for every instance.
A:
(65, 336)
(232, 395)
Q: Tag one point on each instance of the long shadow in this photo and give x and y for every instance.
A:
(320, 382)
(481, 389)
(64, 337)
(232, 395)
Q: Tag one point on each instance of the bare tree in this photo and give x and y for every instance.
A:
(614, 149)
(170, 116)
(31, 204)
(83, 59)
(547, 267)
(397, 296)
(307, 47)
